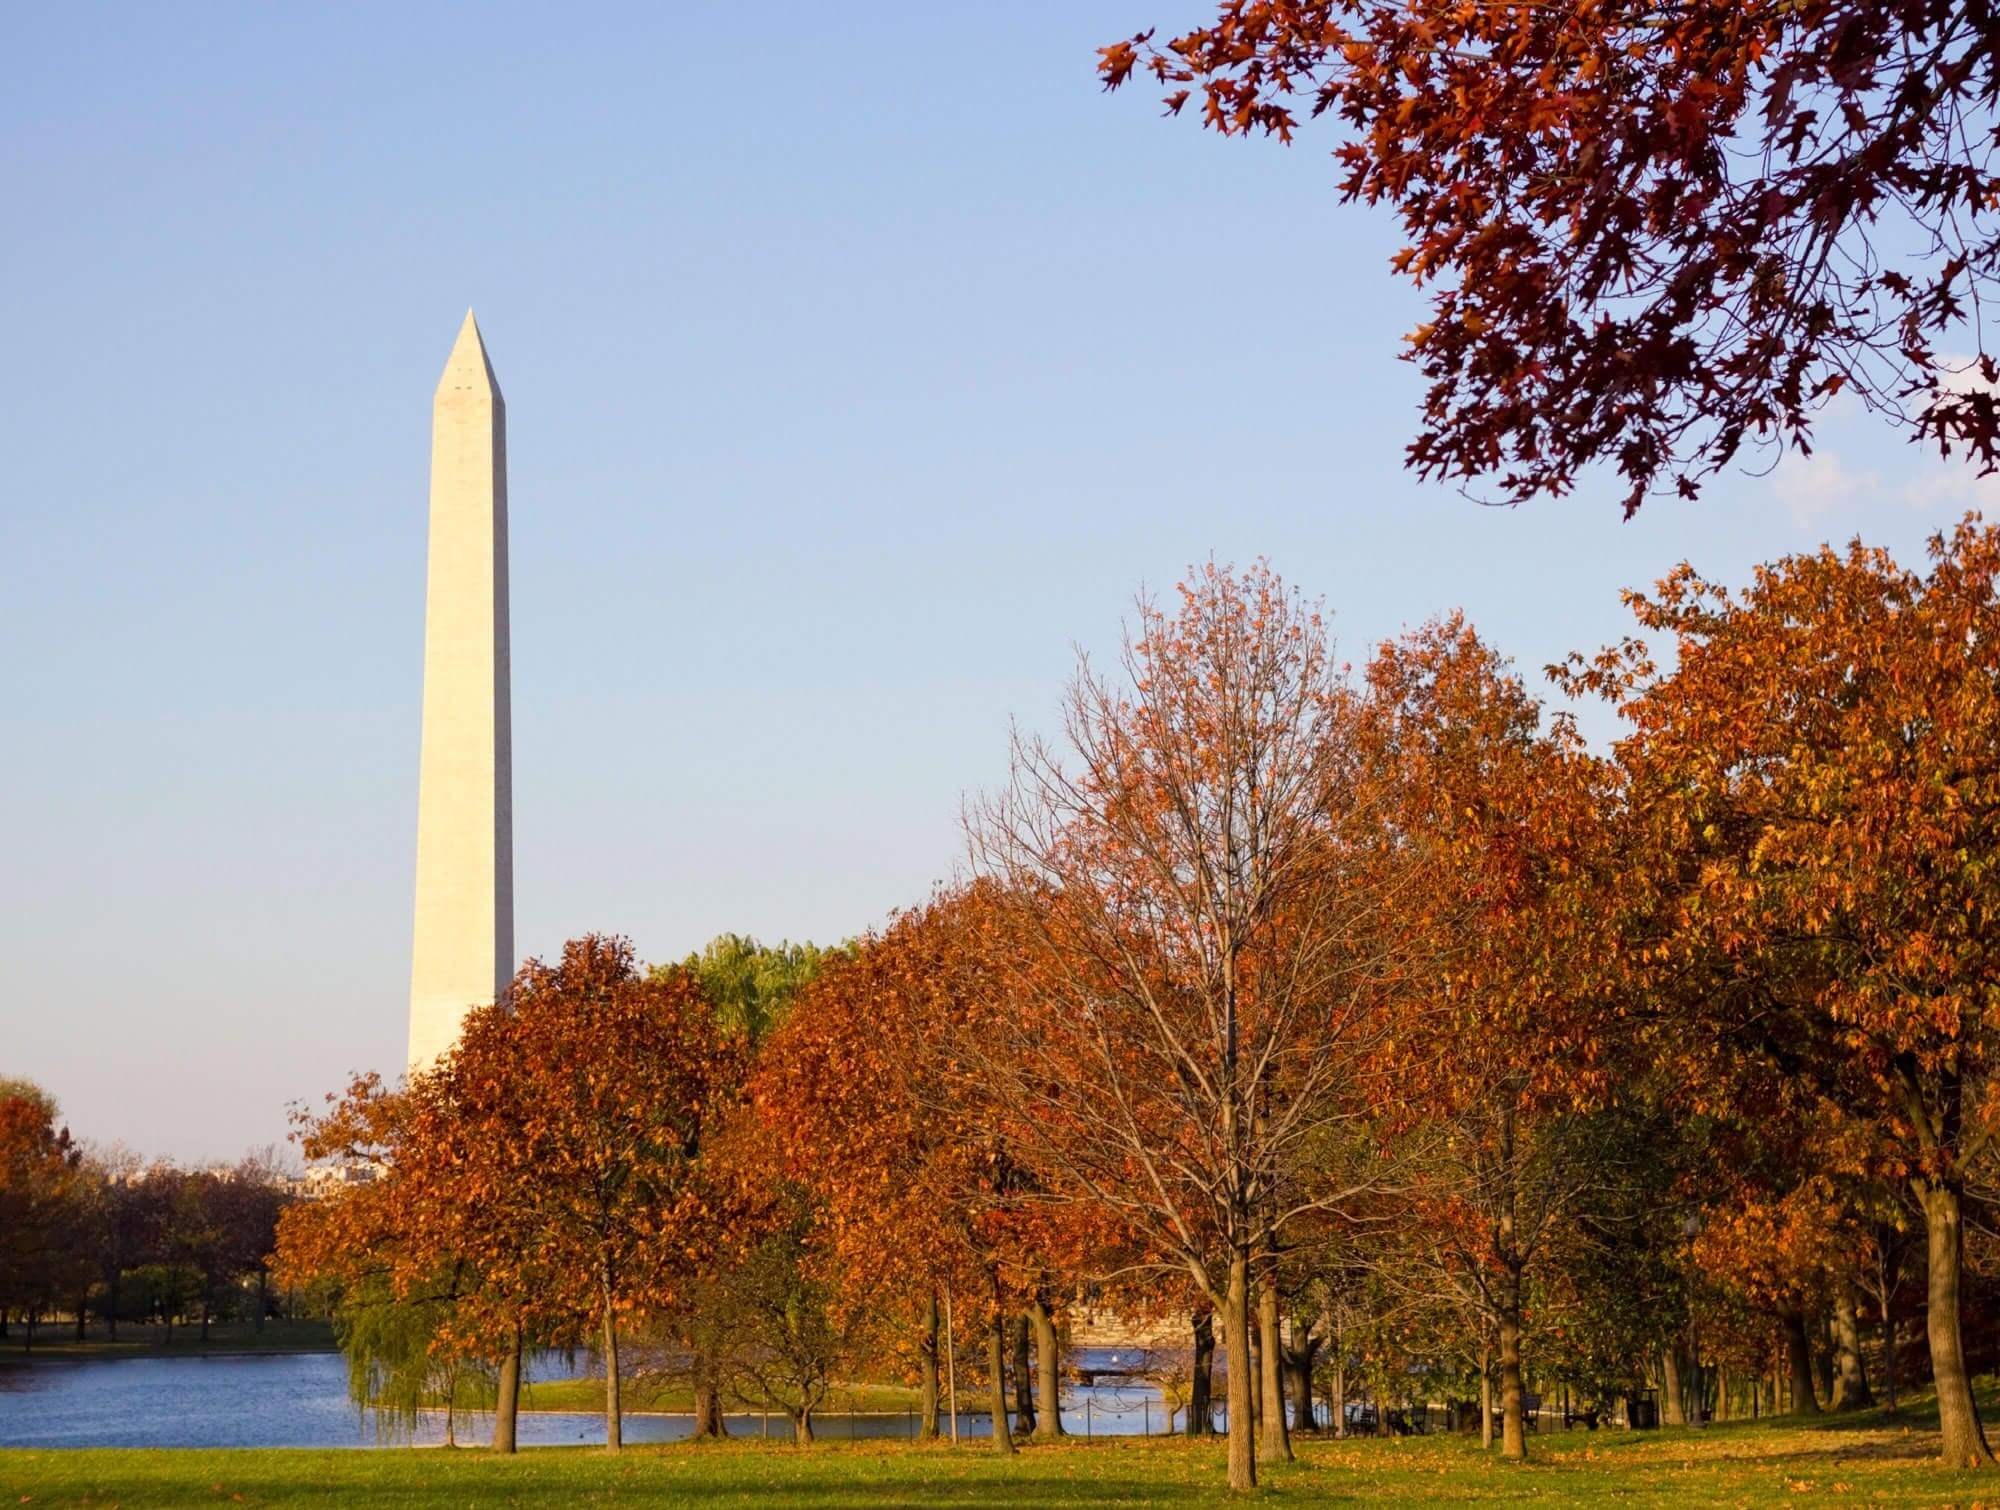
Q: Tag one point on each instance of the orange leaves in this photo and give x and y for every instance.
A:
(554, 1150)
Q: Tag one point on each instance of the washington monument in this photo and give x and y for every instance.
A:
(464, 948)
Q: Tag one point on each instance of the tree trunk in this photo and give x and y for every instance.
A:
(1048, 1371)
(996, 1365)
(1513, 1430)
(508, 1402)
(927, 1364)
(82, 1312)
(204, 1320)
(1850, 1391)
(1798, 1358)
(1201, 1405)
(1275, 1442)
(1236, 1342)
(1958, 1415)
(1486, 1398)
(614, 1416)
(1889, 1358)
(1024, 1384)
(1673, 1398)
(1299, 1364)
(802, 1428)
(707, 1392)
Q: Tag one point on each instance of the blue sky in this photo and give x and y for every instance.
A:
(861, 363)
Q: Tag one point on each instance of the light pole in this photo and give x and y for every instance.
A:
(950, 1365)
(1690, 1229)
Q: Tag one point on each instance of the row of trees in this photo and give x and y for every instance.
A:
(96, 1232)
(1370, 1019)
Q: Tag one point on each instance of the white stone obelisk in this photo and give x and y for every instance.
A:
(464, 948)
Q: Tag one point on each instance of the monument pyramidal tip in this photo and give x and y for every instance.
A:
(463, 953)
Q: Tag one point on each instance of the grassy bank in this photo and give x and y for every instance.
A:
(1865, 1460)
(678, 1399)
(146, 1341)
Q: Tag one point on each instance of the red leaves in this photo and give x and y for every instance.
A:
(1654, 290)
(554, 1152)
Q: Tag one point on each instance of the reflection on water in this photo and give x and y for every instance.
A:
(300, 1400)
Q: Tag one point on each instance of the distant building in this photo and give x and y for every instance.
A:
(323, 1180)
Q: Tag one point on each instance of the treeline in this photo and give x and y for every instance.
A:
(100, 1235)
(1368, 1018)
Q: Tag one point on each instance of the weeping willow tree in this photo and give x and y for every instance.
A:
(400, 1362)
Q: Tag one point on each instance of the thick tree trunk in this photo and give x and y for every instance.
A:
(1513, 1429)
(802, 1428)
(614, 1415)
(1048, 1372)
(927, 1364)
(507, 1403)
(1673, 1398)
(1798, 1362)
(1958, 1415)
(1236, 1342)
(1024, 1386)
(1274, 1441)
(707, 1391)
(1850, 1389)
(1201, 1404)
(996, 1365)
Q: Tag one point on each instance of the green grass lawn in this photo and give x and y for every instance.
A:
(1861, 1460)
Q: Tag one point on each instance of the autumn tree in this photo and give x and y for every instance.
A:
(542, 1176)
(579, 1106)
(416, 1303)
(41, 1169)
(1650, 234)
(1814, 765)
(867, 1090)
(1517, 1037)
(1197, 909)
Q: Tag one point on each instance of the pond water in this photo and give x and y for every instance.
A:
(300, 1400)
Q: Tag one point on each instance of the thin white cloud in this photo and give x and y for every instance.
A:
(1812, 487)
